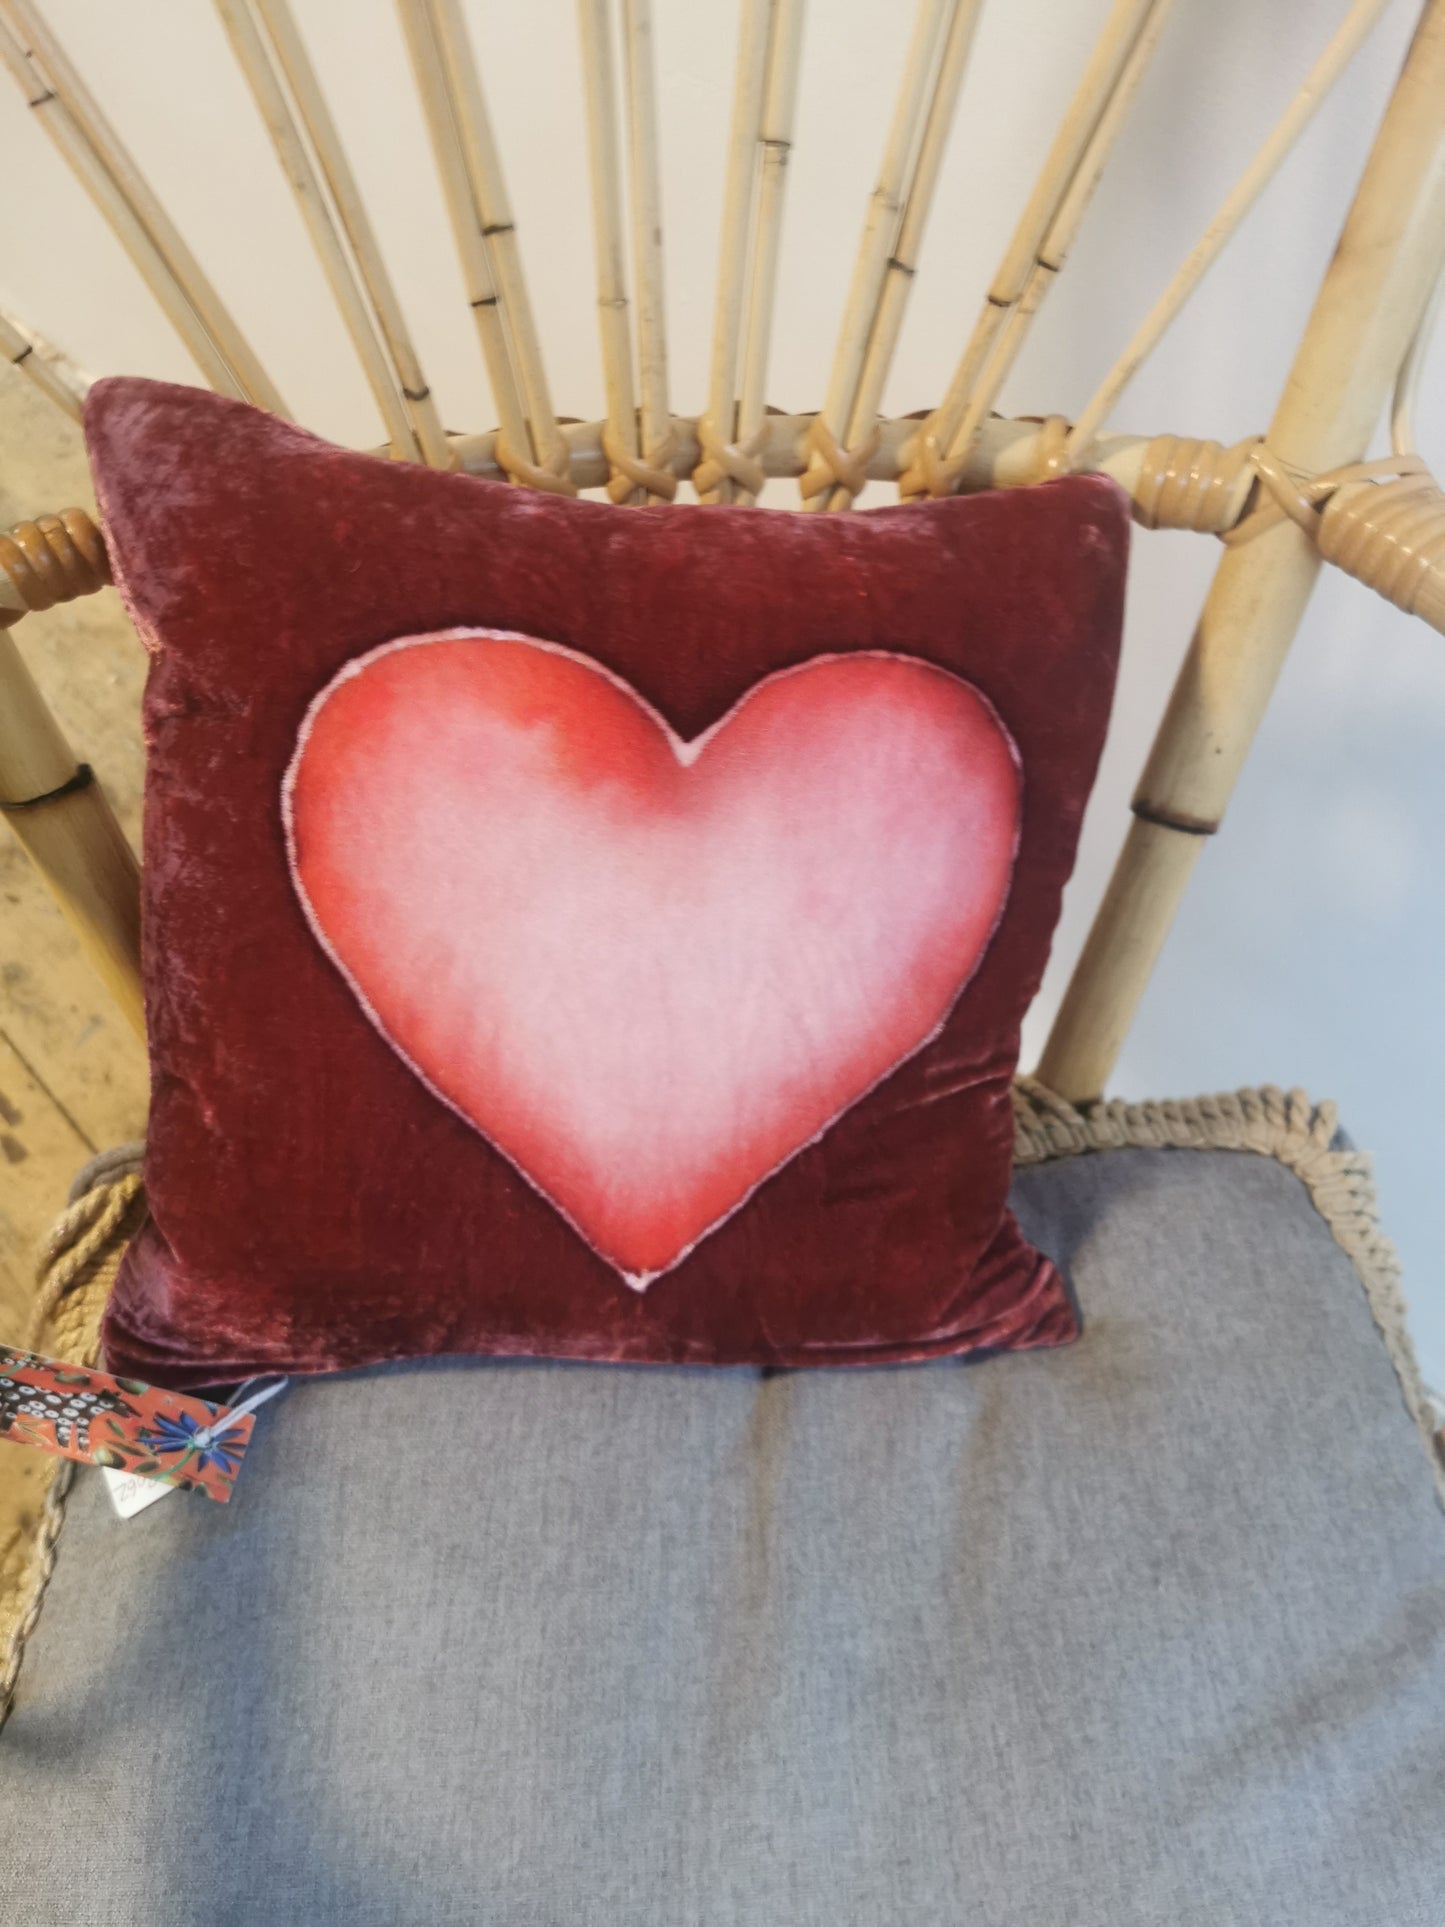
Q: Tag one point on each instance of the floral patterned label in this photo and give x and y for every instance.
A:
(121, 1423)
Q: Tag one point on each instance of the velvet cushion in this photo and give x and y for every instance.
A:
(587, 932)
(1149, 1630)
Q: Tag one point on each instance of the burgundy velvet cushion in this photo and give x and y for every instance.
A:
(583, 931)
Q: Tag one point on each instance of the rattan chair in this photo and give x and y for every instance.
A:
(1283, 503)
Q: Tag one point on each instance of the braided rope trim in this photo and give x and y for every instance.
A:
(81, 1256)
(76, 1271)
(1298, 1134)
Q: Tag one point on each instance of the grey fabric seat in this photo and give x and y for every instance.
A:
(1151, 1630)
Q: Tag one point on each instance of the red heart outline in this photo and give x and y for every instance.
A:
(356, 732)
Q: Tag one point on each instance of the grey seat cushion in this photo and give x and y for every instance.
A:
(1151, 1630)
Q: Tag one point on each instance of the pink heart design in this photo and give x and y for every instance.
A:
(648, 971)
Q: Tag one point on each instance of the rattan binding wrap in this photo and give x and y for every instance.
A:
(53, 560)
(1382, 522)
(1390, 535)
(1184, 484)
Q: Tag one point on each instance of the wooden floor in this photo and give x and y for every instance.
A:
(72, 1075)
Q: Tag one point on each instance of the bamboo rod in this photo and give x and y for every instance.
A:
(86, 140)
(1374, 293)
(35, 758)
(431, 86)
(1174, 483)
(1403, 440)
(1007, 455)
(350, 210)
(594, 27)
(90, 869)
(876, 244)
(120, 216)
(775, 141)
(1061, 232)
(1236, 204)
(902, 265)
(1059, 238)
(747, 112)
(62, 819)
(499, 227)
(52, 374)
(255, 64)
(645, 193)
(1097, 83)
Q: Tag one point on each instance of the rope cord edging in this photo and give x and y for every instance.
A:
(76, 1269)
(1283, 1125)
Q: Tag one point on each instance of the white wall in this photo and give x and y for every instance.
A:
(1307, 951)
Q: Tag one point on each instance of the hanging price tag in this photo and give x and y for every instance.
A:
(172, 1438)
